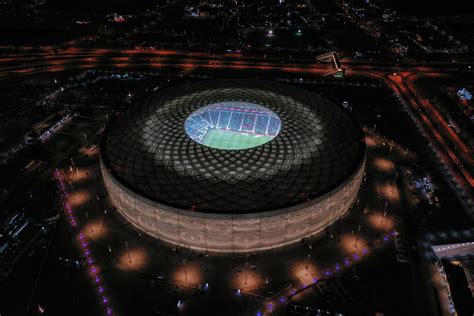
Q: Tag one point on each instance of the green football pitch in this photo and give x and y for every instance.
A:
(231, 140)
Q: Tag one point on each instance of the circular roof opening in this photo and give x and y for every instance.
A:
(232, 125)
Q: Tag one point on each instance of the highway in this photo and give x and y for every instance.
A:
(450, 149)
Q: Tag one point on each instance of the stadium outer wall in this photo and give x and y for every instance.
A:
(233, 233)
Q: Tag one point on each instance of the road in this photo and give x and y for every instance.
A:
(454, 155)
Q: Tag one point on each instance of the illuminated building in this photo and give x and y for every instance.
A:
(170, 182)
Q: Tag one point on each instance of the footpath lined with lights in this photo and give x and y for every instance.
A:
(93, 272)
(269, 306)
(273, 304)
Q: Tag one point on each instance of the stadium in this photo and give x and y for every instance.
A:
(233, 165)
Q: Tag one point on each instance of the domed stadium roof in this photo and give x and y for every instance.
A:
(177, 146)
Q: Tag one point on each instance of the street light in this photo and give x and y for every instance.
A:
(88, 222)
(384, 212)
(128, 251)
(185, 272)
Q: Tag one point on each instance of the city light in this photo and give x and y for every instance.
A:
(236, 157)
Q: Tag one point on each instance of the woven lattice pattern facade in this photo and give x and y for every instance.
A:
(186, 193)
(233, 233)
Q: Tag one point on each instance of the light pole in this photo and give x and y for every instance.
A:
(128, 251)
(357, 236)
(394, 182)
(88, 222)
(384, 212)
(185, 271)
(246, 272)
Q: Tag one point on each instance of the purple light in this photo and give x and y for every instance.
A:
(315, 280)
(73, 223)
(282, 299)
